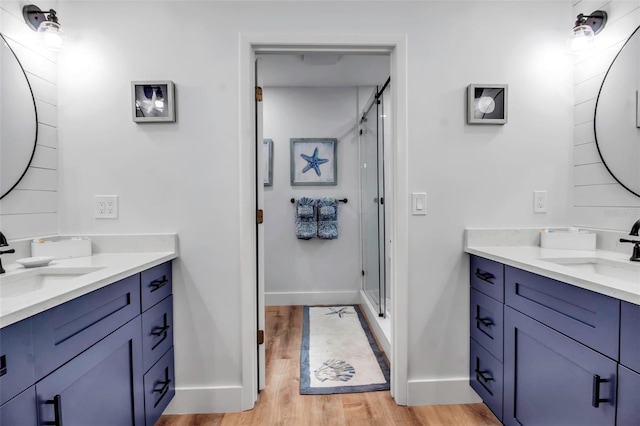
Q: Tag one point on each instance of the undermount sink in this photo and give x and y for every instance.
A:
(38, 279)
(606, 267)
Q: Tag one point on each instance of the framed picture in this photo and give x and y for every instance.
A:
(153, 101)
(267, 165)
(314, 161)
(487, 104)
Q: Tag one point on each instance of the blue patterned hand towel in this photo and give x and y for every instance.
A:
(327, 218)
(306, 224)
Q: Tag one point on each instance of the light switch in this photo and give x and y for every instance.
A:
(419, 203)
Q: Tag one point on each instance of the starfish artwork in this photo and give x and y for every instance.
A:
(313, 162)
(339, 312)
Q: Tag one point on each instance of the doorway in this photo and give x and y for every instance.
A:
(397, 212)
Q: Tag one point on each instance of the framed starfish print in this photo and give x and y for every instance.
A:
(314, 161)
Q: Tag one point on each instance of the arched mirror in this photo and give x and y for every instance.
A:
(617, 116)
(18, 120)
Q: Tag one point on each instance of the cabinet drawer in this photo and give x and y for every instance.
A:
(628, 391)
(486, 322)
(20, 410)
(16, 359)
(630, 336)
(157, 331)
(590, 318)
(159, 388)
(487, 276)
(64, 331)
(155, 285)
(550, 379)
(485, 377)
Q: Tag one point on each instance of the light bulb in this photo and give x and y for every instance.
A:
(581, 39)
(52, 35)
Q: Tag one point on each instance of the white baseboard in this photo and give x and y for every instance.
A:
(374, 321)
(441, 391)
(312, 298)
(206, 400)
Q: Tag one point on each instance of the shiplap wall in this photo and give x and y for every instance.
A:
(599, 201)
(31, 209)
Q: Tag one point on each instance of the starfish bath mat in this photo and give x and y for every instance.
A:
(339, 353)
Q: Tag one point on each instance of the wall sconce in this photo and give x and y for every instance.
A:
(585, 29)
(46, 24)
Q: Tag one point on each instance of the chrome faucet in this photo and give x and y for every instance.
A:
(4, 243)
(635, 256)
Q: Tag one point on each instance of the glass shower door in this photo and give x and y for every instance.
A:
(372, 193)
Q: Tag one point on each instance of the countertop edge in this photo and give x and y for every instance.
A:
(556, 273)
(120, 273)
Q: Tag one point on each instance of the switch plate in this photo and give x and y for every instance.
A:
(419, 203)
(105, 206)
(539, 201)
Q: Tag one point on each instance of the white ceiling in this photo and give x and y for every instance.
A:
(296, 70)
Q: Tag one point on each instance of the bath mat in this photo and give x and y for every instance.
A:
(339, 353)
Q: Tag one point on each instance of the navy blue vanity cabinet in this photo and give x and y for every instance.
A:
(630, 337)
(155, 285)
(588, 317)
(62, 332)
(157, 340)
(16, 359)
(92, 360)
(159, 387)
(20, 410)
(550, 379)
(629, 369)
(487, 276)
(628, 397)
(101, 386)
(486, 329)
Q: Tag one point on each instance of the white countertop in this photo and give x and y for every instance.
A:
(113, 267)
(531, 258)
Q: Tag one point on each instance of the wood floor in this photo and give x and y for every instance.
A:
(281, 404)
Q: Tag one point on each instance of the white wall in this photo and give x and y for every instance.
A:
(311, 271)
(183, 177)
(31, 209)
(599, 201)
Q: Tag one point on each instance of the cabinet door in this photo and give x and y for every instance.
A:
(552, 380)
(16, 359)
(628, 397)
(100, 387)
(20, 410)
(630, 336)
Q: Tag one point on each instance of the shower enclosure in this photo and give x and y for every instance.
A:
(374, 126)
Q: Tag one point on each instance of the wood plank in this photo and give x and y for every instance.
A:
(280, 402)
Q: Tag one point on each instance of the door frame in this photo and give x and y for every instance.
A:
(397, 208)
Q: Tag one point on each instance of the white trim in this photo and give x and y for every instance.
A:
(440, 391)
(396, 46)
(311, 298)
(375, 322)
(206, 400)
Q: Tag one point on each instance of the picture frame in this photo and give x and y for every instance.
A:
(153, 101)
(314, 162)
(487, 103)
(267, 165)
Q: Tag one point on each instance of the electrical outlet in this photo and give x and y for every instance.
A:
(106, 206)
(539, 201)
